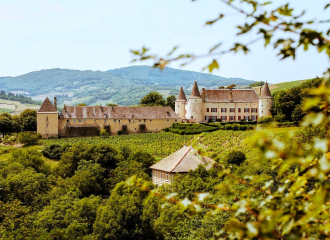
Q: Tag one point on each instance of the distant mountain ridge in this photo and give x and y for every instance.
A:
(124, 86)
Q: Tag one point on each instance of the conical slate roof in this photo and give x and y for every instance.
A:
(47, 106)
(181, 95)
(195, 91)
(265, 92)
(183, 160)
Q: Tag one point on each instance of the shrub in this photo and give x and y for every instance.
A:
(10, 139)
(103, 133)
(29, 138)
(120, 132)
(244, 127)
(287, 124)
(53, 151)
(166, 129)
(229, 127)
(236, 127)
(265, 119)
(279, 118)
(236, 157)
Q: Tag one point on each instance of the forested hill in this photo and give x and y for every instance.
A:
(124, 86)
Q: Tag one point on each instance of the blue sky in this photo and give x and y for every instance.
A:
(97, 35)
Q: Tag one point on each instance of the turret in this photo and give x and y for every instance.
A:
(47, 119)
(265, 101)
(195, 103)
(180, 104)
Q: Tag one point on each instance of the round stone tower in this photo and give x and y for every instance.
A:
(180, 104)
(265, 101)
(195, 104)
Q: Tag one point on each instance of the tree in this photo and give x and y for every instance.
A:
(68, 217)
(221, 87)
(145, 159)
(231, 86)
(89, 178)
(153, 99)
(112, 104)
(170, 101)
(82, 104)
(121, 216)
(5, 123)
(29, 120)
(16, 123)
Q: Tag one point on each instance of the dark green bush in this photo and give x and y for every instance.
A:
(236, 127)
(236, 157)
(244, 127)
(53, 151)
(229, 127)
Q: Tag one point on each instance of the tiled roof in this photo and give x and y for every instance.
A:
(265, 92)
(195, 91)
(183, 160)
(181, 95)
(47, 106)
(117, 112)
(238, 95)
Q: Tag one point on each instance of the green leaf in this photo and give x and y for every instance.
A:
(326, 6)
(215, 20)
(172, 51)
(246, 28)
(285, 10)
(215, 47)
(213, 65)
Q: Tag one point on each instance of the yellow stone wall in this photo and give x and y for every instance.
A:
(161, 177)
(153, 125)
(47, 124)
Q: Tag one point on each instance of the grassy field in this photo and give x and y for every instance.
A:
(284, 86)
(6, 110)
(20, 106)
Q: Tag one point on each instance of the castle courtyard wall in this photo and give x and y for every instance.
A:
(115, 125)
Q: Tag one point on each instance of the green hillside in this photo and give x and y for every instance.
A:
(285, 85)
(124, 86)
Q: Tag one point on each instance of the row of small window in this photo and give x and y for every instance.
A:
(246, 110)
(159, 174)
(114, 120)
(233, 118)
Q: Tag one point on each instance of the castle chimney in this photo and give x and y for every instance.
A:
(230, 94)
(203, 93)
(55, 103)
